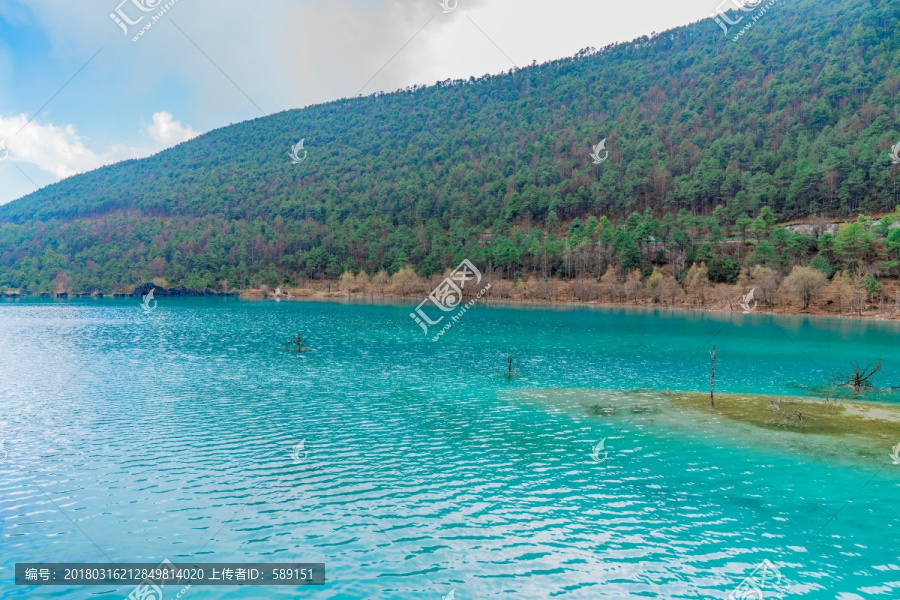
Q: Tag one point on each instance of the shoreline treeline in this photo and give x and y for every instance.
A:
(679, 260)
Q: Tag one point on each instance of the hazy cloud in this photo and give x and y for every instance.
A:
(57, 150)
(167, 131)
(61, 151)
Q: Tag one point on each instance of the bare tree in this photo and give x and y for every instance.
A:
(586, 289)
(787, 417)
(861, 378)
(652, 285)
(362, 282)
(609, 283)
(633, 286)
(804, 284)
(696, 283)
(405, 282)
(840, 289)
(859, 294)
(832, 401)
(540, 289)
(510, 360)
(502, 289)
(298, 345)
(725, 294)
(670, 289)
(380, 283)
(765, 280)
(712, 378)
(347, 282)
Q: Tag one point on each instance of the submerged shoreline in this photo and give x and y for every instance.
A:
(721, 298)
(488, 302)
(406, 300)
(866, 429)
(402, 299)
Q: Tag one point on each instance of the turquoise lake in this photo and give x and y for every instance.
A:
(132, 437)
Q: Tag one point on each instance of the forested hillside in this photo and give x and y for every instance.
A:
(708, 138)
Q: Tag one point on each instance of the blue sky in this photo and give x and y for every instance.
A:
(93, 96)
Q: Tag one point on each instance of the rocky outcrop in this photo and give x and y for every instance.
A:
(818, 229)
(144, 289)
(810, 229)
(177, 291)
(139, 291)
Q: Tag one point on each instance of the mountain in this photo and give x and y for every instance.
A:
(796, 113)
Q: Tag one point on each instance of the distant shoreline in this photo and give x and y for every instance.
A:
(304, 294)
(325, 296)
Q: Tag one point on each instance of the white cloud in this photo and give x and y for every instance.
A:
(57, 150)
(166, 130)
(60, 151)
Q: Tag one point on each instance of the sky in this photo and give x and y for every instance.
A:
(88, 83)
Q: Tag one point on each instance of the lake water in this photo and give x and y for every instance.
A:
(133, 437)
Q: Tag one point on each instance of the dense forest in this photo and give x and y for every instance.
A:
(713, 142)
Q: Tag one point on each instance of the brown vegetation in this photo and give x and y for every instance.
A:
(804, 289)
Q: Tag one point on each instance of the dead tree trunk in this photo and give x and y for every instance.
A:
(860, 380)
(712, 379)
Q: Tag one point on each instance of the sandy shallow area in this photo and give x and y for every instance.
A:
(855, 431)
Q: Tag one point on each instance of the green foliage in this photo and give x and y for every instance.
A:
(723, 270)
(870, 285)
(821, 263)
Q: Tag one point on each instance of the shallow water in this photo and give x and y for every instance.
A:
(134, 438)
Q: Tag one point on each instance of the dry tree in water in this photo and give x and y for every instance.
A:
(860, 380)
(832, 401)
(787, 417)
(298, 345)
(510, 360)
